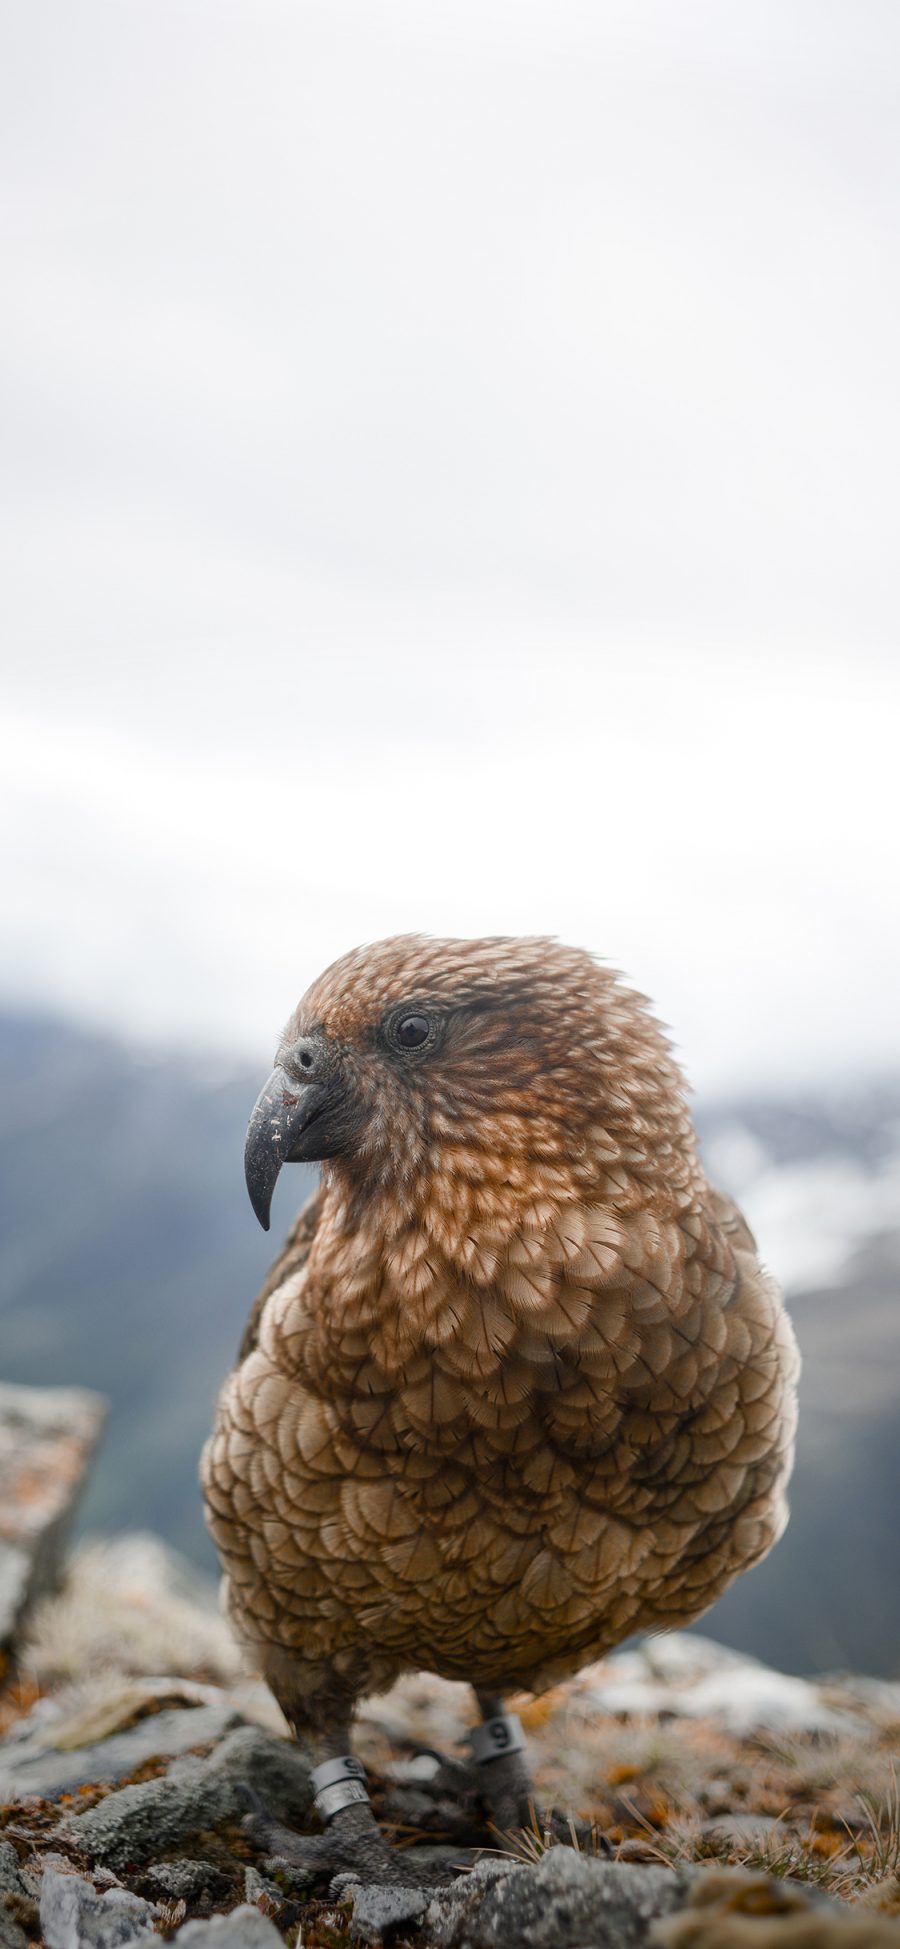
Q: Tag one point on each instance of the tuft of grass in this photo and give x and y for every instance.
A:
(790, 1857)
(170, 1917)
(529, 1844)
(882, 1820)
(864, 1861)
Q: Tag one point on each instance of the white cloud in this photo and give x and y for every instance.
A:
(450, 481)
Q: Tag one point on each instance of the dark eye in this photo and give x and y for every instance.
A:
(411, 1031)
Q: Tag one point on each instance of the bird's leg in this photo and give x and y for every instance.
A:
(352, 1842)
(497, 1776)
(506, 1787)
(504, 1780)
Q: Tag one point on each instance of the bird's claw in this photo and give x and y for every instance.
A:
(341, 1884)
(353, 1852)
(511, 1812)
(296, 1856)
(349, 1850)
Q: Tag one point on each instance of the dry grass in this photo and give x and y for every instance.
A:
(661, 1789)
(849, 1865)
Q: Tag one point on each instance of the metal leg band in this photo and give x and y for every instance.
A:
(494, 1738)
(344, 1793)
(336, 1784)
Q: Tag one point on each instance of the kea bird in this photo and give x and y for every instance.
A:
(517, 1385)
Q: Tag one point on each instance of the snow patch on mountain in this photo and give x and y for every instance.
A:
(810, 1214)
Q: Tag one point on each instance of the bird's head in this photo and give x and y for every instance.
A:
(470, 1076)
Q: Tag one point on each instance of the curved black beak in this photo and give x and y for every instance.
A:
(307, 1111)
(283, 1111)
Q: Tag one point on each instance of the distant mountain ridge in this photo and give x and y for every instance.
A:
(128, 1251)
(820, 1182)
(129, 1256)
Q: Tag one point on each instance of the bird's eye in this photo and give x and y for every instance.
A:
(411, 1031)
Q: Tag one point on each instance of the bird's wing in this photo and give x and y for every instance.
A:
(731, 1221)
(292, 1256)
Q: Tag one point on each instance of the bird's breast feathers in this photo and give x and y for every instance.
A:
(537, 1443)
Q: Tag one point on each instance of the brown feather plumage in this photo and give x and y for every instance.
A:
(518, 1385)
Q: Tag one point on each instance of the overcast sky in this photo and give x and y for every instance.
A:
(450, 481)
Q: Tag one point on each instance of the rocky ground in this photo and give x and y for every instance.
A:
(742, 1806)
(744, 1809)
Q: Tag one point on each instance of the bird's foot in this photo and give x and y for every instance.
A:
(501, 1793)
(352, 1846)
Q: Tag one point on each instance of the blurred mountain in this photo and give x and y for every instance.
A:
(129, 1256)
(819, 1179)
(128, 1251)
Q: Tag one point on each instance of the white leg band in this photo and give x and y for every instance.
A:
(494, 1738)
(336, 1784)
(344, 1793)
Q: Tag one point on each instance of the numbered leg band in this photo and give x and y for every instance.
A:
(336, 1784)
(494, 1738)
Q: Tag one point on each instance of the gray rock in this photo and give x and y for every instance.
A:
(244, 1928)
(34, 1766)
(574, 1901)
(256, 1884)
(31, 1872)
(12, 1935)
(183, 1880)
(291, 1881)
(740, 1830)
(10, 1878)
(277, 1769)
(136, 1823)
(47, 1438)
(376, 1911)
(73, 1916)
(738, 1693)
(141, 1822)
(568, 1901)
(449, 1911)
